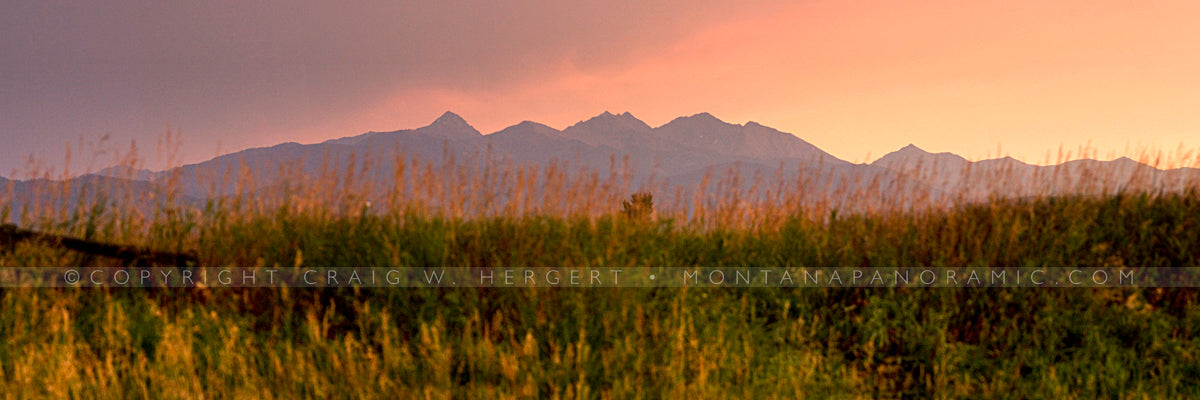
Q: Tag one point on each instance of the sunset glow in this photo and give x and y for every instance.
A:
(857, 79)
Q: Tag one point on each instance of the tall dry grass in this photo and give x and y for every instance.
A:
(619, 342)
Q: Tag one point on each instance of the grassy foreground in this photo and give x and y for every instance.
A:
(621, 342)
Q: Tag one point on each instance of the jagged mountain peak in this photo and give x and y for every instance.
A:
(706, 117)
(449, 117)
(750, 141)
(534, 125)
(450, 126)
(606, 117)
(527, 127)
(701, 119)
(450, 120)
(911, 156)
(608, 129)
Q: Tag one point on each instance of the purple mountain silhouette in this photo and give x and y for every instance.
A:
(680, 153)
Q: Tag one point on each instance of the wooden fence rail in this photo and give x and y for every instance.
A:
(11, 234)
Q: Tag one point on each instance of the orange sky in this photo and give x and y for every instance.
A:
(856, 78)
(860, 79)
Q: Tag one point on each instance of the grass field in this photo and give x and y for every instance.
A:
(612, 342)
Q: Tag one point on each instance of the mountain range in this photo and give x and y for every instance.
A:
(684, 153)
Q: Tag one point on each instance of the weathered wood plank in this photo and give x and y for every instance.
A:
(10, 234)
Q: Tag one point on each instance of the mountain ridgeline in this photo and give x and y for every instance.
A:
(681, 162)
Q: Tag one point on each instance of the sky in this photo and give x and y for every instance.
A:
(89, 81)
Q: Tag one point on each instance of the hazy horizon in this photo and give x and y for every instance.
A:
(100, 156)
